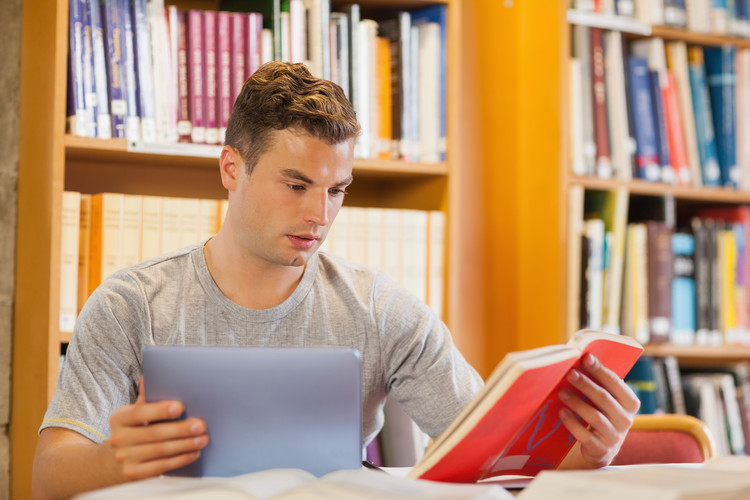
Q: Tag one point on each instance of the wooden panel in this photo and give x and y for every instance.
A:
(41, 156)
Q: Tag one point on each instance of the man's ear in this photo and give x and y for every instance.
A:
(230, 165)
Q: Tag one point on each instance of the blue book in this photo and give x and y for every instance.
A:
(675, 13)
(660, 123)
(438, 14)
(113, 42)
(132, 120)
(76, 112)
(683, 289)
(144, 71)
(89, 82)
(704, 127)
(641, 104)
(721, 82)
(103, 118)
(641, 379)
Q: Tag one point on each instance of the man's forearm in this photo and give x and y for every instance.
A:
(67, 469)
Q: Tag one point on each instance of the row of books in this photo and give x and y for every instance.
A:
(660, 111)
(104, 232)
(718, 394)
(720, 17)
(687, 285)
(154, 74)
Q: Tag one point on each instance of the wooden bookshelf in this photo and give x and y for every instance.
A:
(52, 161)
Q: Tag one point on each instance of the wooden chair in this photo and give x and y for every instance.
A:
(666, 439)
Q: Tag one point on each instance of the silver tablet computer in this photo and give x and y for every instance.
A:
(265, 407)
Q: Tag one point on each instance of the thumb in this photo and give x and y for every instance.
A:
(141, 399)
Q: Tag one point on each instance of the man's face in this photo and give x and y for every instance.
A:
(283, 210)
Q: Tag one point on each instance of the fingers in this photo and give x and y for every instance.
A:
(143, 413)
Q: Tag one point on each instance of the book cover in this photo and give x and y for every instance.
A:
(89, 78)
(340, 51)
(667, 172)
(704, 127)
(512, 426)
(621, 139)
(582, 52)
(298, 31)
(721, 85)
(352, 11)
(641, 379)
(593, 229)
(210, 75)
(429, 92)
(254, 44)
(318, 38)
(238, 57)
(77, 116)
(384, 107)
(195, 72)
(635, 314)
(398, 31)
(151, 207)
(603, 166)
(106, 232)
(103, 118)
(84, 241)
(676, 132)
(270, 10)
(69, 241)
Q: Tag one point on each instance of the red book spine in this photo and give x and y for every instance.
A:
(210, 66)
(195, 75)
(224, 47)
(239, 36)
(184, 123)
(601, 128)
(675, 133)
(254, 30)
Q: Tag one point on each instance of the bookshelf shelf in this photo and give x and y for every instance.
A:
(700, 353)
(718, 195)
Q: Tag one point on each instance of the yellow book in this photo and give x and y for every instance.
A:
(130, 239)
(208, 218)
(189, 226)
(728, 278)
(105, 247)
(385, 110)
(170, 225)
(84, 240)
(69, 238)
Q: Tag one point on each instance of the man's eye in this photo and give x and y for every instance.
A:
(337, 192)
(296, 187)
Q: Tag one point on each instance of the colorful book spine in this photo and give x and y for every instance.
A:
(683, 289)
(667, 172)
(646, 139)
(89, 81)
(210, 67)
(196, 85)
(254, 46)
(144, 71)
(184, 120)
(224, 60)
(675, 132)
(103, 117)
(660, 268)
(721, 85)
(238, 22)
(132, 118)
(601, 128)
(114, 42)
(76, 94)
(704, 127)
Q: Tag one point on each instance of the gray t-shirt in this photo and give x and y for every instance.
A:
(406, 350)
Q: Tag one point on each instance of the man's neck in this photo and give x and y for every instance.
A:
(245, 281)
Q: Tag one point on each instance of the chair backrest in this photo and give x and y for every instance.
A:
(666, 438)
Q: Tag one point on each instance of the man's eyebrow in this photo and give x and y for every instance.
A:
(296, 174)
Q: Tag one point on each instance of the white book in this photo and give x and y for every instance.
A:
(594, 231)
(376, 238)
(208, 218)
(130, 232)
(678, 65)
(151, 227)
(436, 261)
(577, 159)
(393, 242)
(621, 141)
(318, 48)
(266, 46)
(297, 31)
(358, 236)
(189, 216)
(365, 106)
(414, 252)
(170, 225)
(582, 51)
(429, 92)
(69, 244)
(649, 12)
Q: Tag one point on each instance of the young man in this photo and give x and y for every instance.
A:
(260, 281)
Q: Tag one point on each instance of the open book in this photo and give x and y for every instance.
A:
(513, 425)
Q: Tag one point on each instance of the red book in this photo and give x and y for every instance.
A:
(237, 59)
(195, 65)
(224, 78)
(599, 89)
(254, 51)
(210, 68)
(513, 424)
(184, 124)
(675, 134)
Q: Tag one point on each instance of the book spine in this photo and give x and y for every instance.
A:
(704, 127)
(254, 42)
(224, 48)
(132, 118)
(675, 132)
(144, 70)
(89, 80)
(667, 172)
(353, 13)
(103, 117)
(184, 120)
(721, 84)
(238, 22)
(172, 27)
(683, 290)
(647, 155)
(429, 92)
(384, 97)
(76, 93)
(659, 262)
(114, 43)
(71, 211)
(210, 101)
(196, 84)
(599, 93)
(84, 241)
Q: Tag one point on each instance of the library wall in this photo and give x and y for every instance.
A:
(10, 57)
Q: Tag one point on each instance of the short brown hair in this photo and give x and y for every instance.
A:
(281, 95)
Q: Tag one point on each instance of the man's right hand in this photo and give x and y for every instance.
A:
(145, 441)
